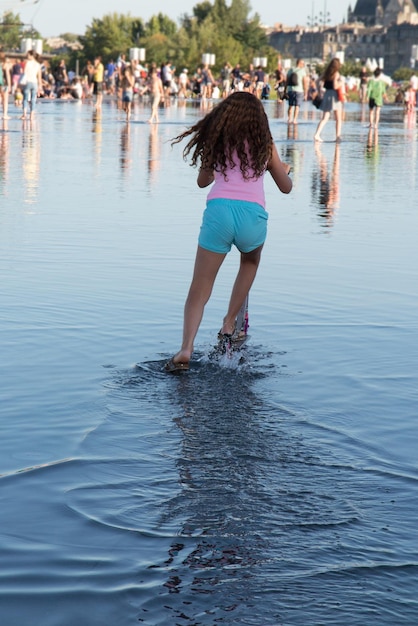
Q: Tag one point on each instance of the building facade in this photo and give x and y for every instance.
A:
(375, 29)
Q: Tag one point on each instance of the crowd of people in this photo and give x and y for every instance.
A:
(122, 78)
(328, 92)
(32, 78)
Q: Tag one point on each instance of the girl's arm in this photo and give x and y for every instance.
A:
(280, 172)
(205, 177)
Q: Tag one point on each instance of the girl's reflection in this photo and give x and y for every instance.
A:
(326, 186)
(223, 500)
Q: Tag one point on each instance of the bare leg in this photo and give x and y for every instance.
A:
(206, 267)
(377, 117)
(338, 124)
(324, 120)
(245, 278)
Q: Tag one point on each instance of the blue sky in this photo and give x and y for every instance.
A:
(52, 17)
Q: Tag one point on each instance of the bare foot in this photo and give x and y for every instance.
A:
(317, 138)
(183, 356)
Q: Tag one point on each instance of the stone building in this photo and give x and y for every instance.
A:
(375, 29)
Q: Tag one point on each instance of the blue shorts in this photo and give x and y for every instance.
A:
(226, 222)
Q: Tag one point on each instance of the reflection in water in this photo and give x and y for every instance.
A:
(292, 131)
(96, 129)
(372, 146)
(326, 186)
(364, 113)
(372, 152)
(279, 111)
(31, 158)
(224, 456)
(125, 148)
(153, 153)
(253, 500)
(410, 119)
(4, 157)
(292, 153)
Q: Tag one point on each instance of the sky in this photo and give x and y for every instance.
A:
(53, 17)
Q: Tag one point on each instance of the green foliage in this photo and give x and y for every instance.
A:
(158, 48)
(160, 24)
(202, 10)
(113, 34)
(351, 68)
(402, 74)
(11, 31)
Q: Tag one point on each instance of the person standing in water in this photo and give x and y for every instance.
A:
(234, 148)
(331, 102)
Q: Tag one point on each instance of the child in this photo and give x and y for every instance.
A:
(127, 84)
(410, 100)
(234, 148)
(18, 97)
(376, 93)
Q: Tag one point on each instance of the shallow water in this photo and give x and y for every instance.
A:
(280, 489)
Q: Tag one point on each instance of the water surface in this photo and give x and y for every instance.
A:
(278, 490)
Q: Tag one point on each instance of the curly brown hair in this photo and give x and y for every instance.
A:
(237, 125)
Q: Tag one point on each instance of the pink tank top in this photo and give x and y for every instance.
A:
(238, 188)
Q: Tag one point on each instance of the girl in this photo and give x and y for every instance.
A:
(234, 147)
(332, 83)
(127, 84)
(33, 84)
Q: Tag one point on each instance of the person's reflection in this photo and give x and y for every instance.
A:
(96, 130)
(221, 465)
(4, 156)
(410, 118)
(125, 148)
(31, 156)
(372, 146)
(279, 110)
(372, 151)
(292, 131)
(153, 152)
(326, 186)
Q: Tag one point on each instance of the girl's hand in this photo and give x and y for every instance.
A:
(280, 172)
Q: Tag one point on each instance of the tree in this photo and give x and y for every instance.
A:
(10, 31)
(111, 35)
(160, 24)
(202, 10)
(158, 48)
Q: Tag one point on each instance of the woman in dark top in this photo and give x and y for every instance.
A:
(332, 100)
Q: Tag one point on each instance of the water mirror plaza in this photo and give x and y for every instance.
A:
(281, 490)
